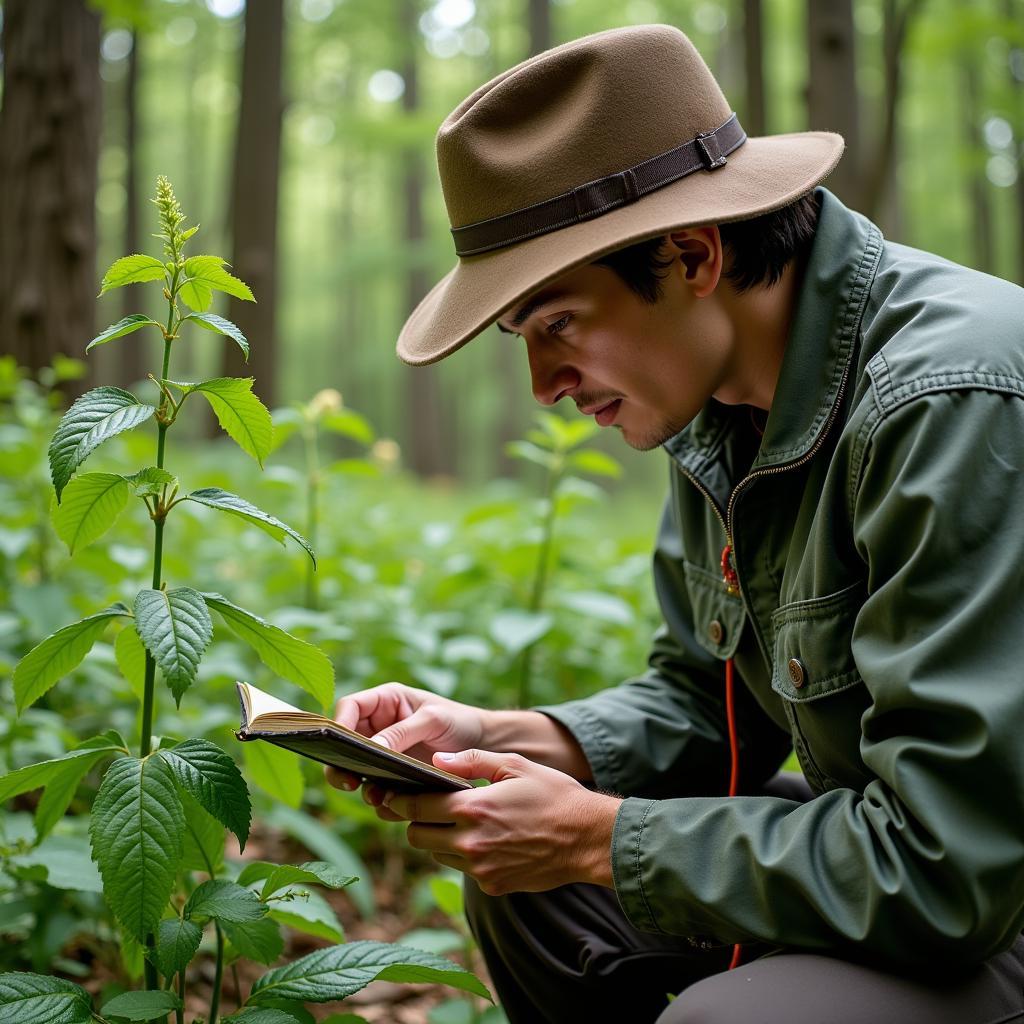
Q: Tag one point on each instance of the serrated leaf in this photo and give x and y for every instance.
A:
(136, 828)
(313, 872)
(256, 940)
(92, 502)
(242, 416)
(32, 776)
(282, 653)
(224, 901)
(275, 771)
(151, 480)
(121, 328)
(213, 779)
(94, 418)
(593, 461)
(261, 1015)
(60, 861)
(138, 1006)
(310, 914)
(206, 273)
(131, 659)
(339, 971)
(35, 999)
(175, 627)
(349, 424)
(58, 654)
(176, 943)
(202, 846)
(132, 269)
(217, 324)
(214, 497)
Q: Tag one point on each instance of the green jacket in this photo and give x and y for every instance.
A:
(878, 536)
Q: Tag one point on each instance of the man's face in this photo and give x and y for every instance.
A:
(645, 368)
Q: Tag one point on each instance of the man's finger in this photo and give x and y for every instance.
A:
(340, 779)
(422, 725)
(433, 838)
(435, 808)
(482, 764)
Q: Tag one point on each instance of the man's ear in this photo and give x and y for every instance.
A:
(699, 252)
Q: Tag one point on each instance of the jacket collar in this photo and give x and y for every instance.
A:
(840, 268)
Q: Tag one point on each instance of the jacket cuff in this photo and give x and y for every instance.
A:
(627, 862)
(589, 732)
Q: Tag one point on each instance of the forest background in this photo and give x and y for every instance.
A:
(463, 547)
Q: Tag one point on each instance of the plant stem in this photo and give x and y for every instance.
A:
(217, 976)
(540, 577)
(146, 740)
(309, 434)
(180, 1013)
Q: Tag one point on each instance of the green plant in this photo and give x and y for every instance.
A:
(159, 818)
(556, 447)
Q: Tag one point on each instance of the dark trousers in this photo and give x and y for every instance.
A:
(570, 955)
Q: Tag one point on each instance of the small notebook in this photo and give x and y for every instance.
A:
(264, 717)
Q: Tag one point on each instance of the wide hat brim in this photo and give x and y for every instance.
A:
(764, 174)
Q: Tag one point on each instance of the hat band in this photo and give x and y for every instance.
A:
(706, 151)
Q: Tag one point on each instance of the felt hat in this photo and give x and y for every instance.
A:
(591, 146)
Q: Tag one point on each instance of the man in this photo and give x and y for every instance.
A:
(839, 568)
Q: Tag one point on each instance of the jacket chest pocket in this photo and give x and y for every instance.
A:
(814, 673)
(718, 616)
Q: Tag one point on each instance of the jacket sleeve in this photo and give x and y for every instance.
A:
(664, 733)
(926, 865)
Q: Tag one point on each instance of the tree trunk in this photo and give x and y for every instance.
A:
(49, 144)
(255, 196)
(132, 364)
(1015, 10)
(539, 22)
(832, 88)
(878, 187)
(753, 53)
(977, 182)
(428, 454)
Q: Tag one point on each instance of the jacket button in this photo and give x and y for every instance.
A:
(796, 672)
(716, 631)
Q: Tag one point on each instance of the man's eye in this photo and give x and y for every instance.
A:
(560, 325)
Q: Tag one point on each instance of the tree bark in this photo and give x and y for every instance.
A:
(429, 455)
(255, 196)
(49, 145)
(897, 19)
(754, 122)
(132, 364)
(977, 182)
(832, 88)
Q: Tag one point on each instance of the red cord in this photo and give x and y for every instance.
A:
(734, 769)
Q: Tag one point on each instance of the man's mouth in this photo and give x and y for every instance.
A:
(605, 415)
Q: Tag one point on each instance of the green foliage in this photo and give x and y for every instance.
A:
(33, 999)
(175, 627)
(219, 900)
(176, 943)
(128, 325)
(136, 829)
(214, 781)
(96, 417)
(313, 872)
(217, 324)
(242, 416)
(137, 1006)
(260, 940)
(338, 971)
(92, 502)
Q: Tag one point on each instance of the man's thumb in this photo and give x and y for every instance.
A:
(480, 764)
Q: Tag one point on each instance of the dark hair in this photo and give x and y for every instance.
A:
(757, 250)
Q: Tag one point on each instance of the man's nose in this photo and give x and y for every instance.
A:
(551, 375)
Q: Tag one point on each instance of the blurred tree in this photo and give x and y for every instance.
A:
(49, 146)
(1013, 11)
(254, 195)
(983, 254)
(880, 170)
(430, 452)
(132, 363)
(753, 63)
(832, 103)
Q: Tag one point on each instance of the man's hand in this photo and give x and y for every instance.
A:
(533, 829)
(413, 721)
